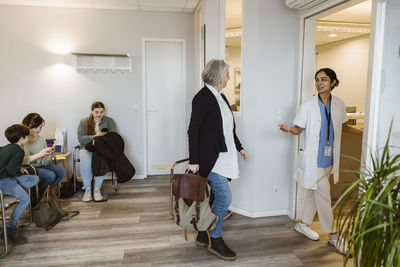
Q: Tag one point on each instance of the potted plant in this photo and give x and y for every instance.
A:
(372, 225)
(237, 104)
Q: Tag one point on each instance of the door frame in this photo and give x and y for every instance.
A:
(373, 77)
(144, 96)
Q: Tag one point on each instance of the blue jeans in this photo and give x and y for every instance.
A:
(51, 175)
(222, 200)
(14, 187)
(85, 167)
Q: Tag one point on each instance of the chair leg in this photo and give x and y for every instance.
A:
(30, 206)
(115, 181)
(3, 218)
(37, 193)
(170, 191)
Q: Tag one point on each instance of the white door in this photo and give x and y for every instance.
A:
(164, 84)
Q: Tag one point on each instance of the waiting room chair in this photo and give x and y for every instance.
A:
(75, 160)
(4, 206)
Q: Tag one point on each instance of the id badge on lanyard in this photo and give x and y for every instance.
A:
(328, 151)
(328, 147)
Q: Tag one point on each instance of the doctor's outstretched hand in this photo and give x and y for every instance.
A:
(284, 127)
(295, 130)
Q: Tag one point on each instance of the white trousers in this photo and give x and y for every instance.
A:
(311, 201)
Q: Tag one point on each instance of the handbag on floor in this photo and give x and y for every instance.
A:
(48, 212)
(67, 188)
(192, 207)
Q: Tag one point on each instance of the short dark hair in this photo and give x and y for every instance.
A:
(331, 74)
(32, 120)
(15, 132)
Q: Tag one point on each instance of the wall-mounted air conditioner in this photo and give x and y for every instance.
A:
(303, 4)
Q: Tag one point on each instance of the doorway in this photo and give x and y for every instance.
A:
(342, 43)
(164, 73)
(338, 38)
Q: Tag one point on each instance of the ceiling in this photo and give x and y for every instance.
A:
(180, 6)
(348, 23)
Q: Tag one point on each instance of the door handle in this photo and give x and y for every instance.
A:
(152, 110)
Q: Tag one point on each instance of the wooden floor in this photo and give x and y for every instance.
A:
(134, 228)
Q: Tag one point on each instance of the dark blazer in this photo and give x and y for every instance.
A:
(206, 136)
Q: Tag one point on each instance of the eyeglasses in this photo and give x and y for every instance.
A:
(323, 79)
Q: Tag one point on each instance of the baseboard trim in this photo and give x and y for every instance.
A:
(139, 176)
(258, 214)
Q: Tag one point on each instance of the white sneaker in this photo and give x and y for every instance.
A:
(87, 196)
(340, 244)
(97, 195)
(305, 230)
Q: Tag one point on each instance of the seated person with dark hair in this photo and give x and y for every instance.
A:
(39, 155)
(12, 182)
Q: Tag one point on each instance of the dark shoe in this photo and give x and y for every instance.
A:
(221, 250)
(202, 238)
(14, 237)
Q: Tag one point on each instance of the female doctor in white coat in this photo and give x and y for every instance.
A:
(320, 121)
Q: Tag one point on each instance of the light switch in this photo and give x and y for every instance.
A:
(279, 114)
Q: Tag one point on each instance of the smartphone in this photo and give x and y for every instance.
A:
(50, 142)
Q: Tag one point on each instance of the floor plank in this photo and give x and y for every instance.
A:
(134, 228)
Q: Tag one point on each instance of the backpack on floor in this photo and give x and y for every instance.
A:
(67, 189)
(192, 207)
(48, 212)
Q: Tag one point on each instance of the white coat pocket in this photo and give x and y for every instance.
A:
(300, 165)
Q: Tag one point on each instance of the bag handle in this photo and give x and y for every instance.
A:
(46, 195)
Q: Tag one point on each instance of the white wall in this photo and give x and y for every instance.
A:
(389, 92)
(349, 59)
(212, 11)
(32, 82)
(268, 82)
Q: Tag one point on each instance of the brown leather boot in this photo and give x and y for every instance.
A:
(14, 237)
(202, 238)
(221, 250)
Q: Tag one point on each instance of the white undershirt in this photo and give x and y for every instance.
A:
(227, 163)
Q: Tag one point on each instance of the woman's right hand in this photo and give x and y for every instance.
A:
(45, 151)
(100, 134)
(194, 168)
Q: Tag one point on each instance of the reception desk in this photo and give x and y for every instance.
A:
(351, 145)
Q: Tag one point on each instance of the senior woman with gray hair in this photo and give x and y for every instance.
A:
(212, 149)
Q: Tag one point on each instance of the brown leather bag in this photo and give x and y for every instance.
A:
(192, 208)
(190, 186)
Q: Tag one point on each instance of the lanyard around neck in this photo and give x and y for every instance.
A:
(327, 115)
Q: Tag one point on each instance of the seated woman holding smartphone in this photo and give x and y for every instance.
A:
(39, 155)
(95, 125)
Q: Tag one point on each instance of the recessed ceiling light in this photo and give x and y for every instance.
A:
(332, 35)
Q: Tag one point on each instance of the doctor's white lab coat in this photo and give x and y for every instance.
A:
(309, 118)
